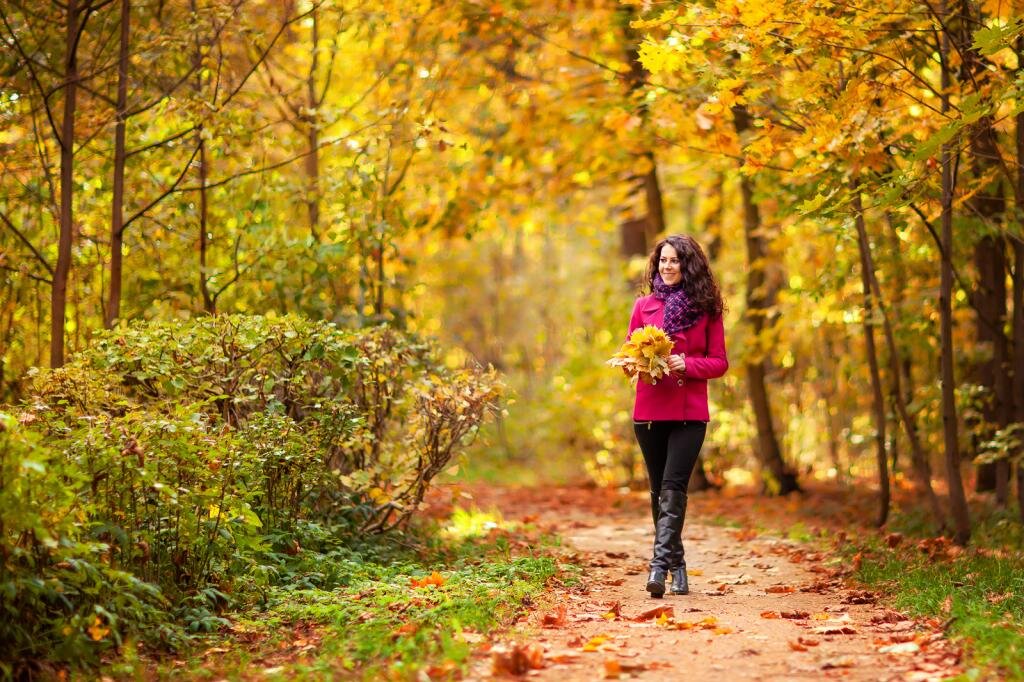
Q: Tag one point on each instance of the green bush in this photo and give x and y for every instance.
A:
(170, 462)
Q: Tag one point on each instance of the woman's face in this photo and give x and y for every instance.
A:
(669, 266)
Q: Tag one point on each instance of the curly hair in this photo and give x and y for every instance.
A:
(698, 282)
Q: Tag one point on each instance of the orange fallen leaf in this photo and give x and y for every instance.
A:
(554, 618)
(518, 660)
(796, 646)
(656, 612)
(834, 630)
(780, 589)
(405, 629)
(694, 571)
(807, 641)
(434, 578)
(612, 669)
(769, 614)
(722, 631)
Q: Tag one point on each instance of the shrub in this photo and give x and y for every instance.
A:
(171, 459)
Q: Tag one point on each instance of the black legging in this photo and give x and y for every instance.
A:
(670, 450)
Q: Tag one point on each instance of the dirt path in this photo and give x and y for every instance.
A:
(760, 607)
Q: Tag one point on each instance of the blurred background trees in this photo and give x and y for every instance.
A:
(493, 173)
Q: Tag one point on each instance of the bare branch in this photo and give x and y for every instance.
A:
(24, 240)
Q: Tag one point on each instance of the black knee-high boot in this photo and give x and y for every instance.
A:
(667, 532)
(655, 508)
(680, 584)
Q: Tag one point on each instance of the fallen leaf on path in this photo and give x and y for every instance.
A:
(844, 662)
(595, 643)
(769, 614)
(901, 648)
(741, 579)
(795, 615)
(554, 619)
(617, 555)
(723, 589)
(744, 534)
(807, 641)
(694, 571)
(894, 539)
(780, 589)
(860, 597)
(834, 630)
(722, 631)
(615, 582)
(888, 616)
(656, 612)
(517, 660)
(612, 669)
(796, 646)
(821, 616)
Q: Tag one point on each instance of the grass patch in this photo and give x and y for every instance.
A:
(979, 592)
(388, 609)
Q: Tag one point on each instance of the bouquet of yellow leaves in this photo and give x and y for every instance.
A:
(644, 357)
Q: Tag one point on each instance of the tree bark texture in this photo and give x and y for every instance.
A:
(878, 397)
(58, 298)
(958, 501)
(758, 302)
(113, 309)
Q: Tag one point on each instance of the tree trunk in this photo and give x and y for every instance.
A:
(867, 271)
(758, 301)
(209, 305)
(1018, 292)
(958, 501)
(58, 298)
(313, 136)
(654, 220)
(113, 311)
(898, 369)
(989, 295)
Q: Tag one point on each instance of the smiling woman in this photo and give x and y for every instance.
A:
(670, 418)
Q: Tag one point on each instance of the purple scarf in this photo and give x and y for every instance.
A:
(679, 311)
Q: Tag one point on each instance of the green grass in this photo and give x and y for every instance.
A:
(368, 618)
(985, 589)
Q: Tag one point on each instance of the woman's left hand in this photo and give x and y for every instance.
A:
(677, 363)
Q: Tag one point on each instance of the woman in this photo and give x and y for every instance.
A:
(670, 418)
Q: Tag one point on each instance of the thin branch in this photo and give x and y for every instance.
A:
(172, 188)
(24, 240)
(37, 278)
(35, 77)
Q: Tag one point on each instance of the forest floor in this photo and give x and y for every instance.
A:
(547, 583)
(764, 602)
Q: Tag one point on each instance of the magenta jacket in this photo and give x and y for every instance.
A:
(667, 400)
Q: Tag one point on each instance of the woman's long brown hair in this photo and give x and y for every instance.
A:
(697, 280)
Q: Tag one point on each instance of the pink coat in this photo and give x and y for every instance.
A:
(667, 400)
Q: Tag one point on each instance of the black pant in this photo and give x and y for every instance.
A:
(670, 450)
